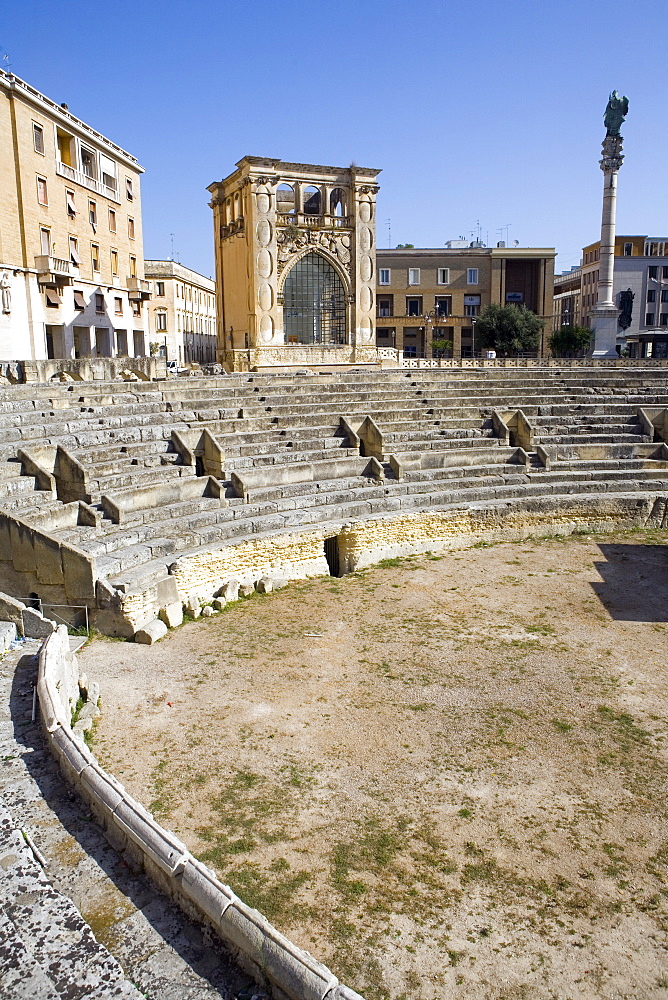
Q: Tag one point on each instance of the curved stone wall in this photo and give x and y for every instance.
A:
(270, 957)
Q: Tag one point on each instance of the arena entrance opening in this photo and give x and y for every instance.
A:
(314, 304)
(332, 555)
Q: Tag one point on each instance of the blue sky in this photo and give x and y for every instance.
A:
(486, 112)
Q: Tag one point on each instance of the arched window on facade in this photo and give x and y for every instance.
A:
(237, 207)
(314, 304)
(285, 199)
(312, 200)
(337, 203)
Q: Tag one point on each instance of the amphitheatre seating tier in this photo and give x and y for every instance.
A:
(131, 477)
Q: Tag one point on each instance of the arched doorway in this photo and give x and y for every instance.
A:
(314, 303)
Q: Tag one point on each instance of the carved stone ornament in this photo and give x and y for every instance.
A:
(612, 153)
(369, 189)
(293, 241)
(6, 292)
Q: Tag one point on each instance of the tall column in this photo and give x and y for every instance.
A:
(605, 314)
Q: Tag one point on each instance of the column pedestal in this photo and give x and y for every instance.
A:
(606, 322)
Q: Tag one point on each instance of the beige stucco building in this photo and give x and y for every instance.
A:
(295, 264)
(71, 252)
(436, 294)
(182, 313)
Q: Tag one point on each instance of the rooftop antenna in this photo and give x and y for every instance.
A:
(388, 223)
(506, 227)
(7, 66)
(171, 237)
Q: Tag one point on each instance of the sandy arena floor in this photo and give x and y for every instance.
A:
(446, 778)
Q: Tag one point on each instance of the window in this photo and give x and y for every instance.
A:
(160, 288)
(74, 251)
(664, 319)
(129, 194)
(95, 256)
(38, 138)
(472, 276)
(384, 276)
(385, 305)
(92, 213)
(285, 201)
(118, 306)
(136, 308)
(42, 196)
(122, 343)
(52, 298)
(443, 277)
(651, 295)
(89, 163)
(628, 249)
(664, 273)
(112, 220)
(161, 322)
(79, 300)
(414, 305)
(443, 305)
(471, 305)
(133, 267)
(413, 275)
(71, 204)
(653, 273)
(649, 319)
(131, 228)
(664, 295)
(314, 303)
(108, 169)
(114, 262)
(45, 241)
(99, 302)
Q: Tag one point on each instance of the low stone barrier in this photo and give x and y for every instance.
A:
(258, 947)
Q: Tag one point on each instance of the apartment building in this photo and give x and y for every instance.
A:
(424, 296)
(640, 290)
(182, 314)
(71, 252)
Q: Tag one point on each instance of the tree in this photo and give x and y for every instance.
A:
(568, 341)
(508, 329)
(405, 246)
(440, 347)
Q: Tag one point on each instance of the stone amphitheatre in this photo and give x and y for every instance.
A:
(125, 506)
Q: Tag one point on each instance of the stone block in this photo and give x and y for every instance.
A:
(151, 632)
(172, 615)
(219, 603)
(265, 585)
(7, 635)
(207, 611)
(230, 590)
(246, 589)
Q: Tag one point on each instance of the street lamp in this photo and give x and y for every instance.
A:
(473, 323)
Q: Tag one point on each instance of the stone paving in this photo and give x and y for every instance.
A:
(84, 924)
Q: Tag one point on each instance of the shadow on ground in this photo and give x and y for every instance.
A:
(204, 970)
(634, 584)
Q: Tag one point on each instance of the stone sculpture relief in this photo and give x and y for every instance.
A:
(6, 291)
(291, 242)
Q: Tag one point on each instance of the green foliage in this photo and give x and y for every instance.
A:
(568, 341)
(508, 329)
(440, 347)
(405, 246)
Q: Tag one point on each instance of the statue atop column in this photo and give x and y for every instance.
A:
(615, 113)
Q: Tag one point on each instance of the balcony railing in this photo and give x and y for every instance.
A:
(53, 270)
(314, 221)
(78, 177)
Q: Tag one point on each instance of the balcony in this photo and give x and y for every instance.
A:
(314, 221)
(53, 271)
(139, 290)
(78, 177)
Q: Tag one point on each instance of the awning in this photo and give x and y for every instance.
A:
(74, 255)
(71, 207)
(52, 297)
(79, 301)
